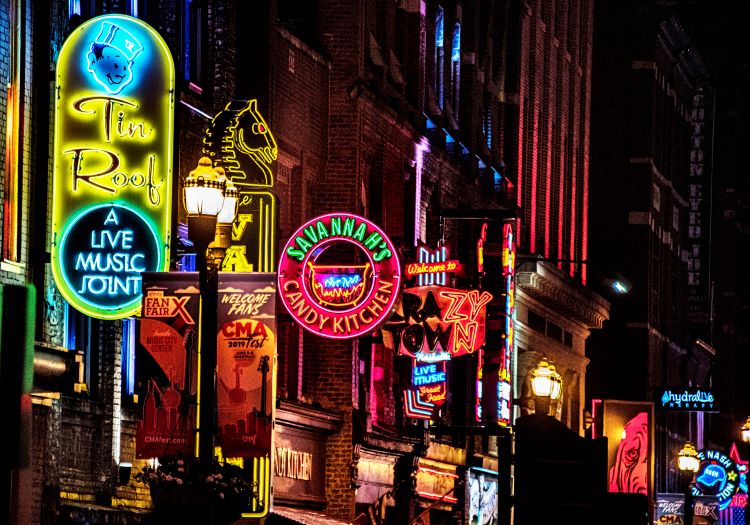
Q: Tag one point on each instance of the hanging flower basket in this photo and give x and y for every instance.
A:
(183, 491)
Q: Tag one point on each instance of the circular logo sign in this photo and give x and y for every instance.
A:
(103, 252)
(339, 276)
(718, 476)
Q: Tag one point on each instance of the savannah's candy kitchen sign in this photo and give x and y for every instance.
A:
(339, 276)
(113, 164)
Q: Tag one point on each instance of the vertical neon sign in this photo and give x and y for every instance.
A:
(504, 394)
(111, 207)
(240, 141)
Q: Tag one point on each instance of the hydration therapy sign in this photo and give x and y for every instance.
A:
(114, 117)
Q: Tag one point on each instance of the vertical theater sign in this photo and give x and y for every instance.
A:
(112, 164)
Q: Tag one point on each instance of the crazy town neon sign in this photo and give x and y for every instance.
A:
(111, 210)
(339, 299)
(434, 323)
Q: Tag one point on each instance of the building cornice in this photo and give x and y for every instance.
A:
(550, 286)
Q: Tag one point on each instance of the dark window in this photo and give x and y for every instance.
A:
(456, 69)
(194, 32)
(440, 56)
(554, 331)
(537, 322)
(568, 341)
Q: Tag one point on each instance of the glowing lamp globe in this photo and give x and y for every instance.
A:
(687, 459)
(545, 381)
(229, 210)
(745, 431)
(204, 190)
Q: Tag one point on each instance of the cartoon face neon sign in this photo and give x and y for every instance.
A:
(113, 164)
(111, 57)
(339, 299)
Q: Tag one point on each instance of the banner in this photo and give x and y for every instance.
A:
(670, 508)
(706, 511)
(246, 353)
(166, 361)
(629, 427)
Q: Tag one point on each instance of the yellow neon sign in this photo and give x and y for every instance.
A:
(114, 128)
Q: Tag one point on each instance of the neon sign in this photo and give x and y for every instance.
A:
(240, 141)
(434, 323)
(432, 266)
(429, 389)
(718, 476)
(504, 396)
(111, 208)
(691, 398)
(341, 299)
(506, 334)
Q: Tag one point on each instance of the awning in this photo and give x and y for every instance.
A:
(281, 515)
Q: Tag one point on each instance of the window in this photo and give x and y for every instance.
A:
(439, 56)
(456, 68)
(487, 119)
(656, 197)
(537, 322)
(675, 218)
(194, 30)
(13, 135)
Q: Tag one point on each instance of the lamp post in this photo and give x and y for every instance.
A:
(546, 385)
(210, 210)
(688, 463)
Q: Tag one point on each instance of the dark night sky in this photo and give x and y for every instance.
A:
(721, 32)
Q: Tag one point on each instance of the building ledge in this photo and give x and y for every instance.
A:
(542, 281)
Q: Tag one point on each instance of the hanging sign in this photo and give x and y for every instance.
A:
(718, 476)
(240, 141)
(246, 376)
(111, 206)
(434, 323)
(690, 398)
(339, 276)
(429, 389)
(166, 358)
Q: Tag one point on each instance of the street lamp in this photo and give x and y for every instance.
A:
(745, 431)
(210, 211)
(546, 384)
(688, 463)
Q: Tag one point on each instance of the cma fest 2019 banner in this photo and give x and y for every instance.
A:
(245, 369)
(240, 141)
(111, 207)
(166, 358)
